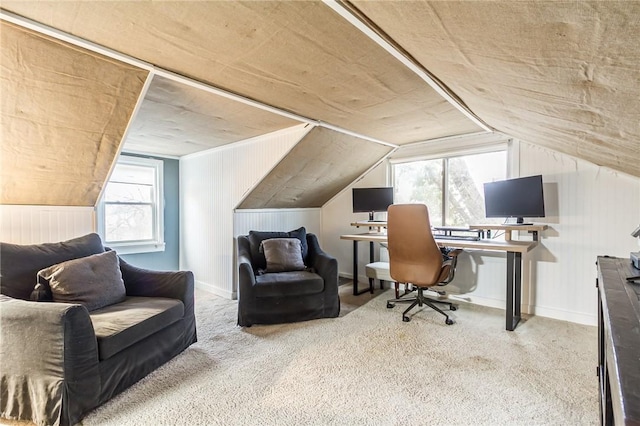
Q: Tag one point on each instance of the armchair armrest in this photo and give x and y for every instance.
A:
(246, 274)
(49, 356)
(325, 265)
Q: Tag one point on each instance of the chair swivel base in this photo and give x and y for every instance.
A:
(420, 300)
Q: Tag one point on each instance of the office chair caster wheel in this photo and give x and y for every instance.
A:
(406, 318)
(453, 308)
(448, 321)
(390, 305)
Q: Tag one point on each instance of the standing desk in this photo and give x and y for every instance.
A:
(514, 250)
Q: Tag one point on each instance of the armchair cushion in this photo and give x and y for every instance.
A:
(256, 237)
(288, 284)
(283, 254)
(94, 281)
(20, 263)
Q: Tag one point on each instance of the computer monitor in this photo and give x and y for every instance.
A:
(370, 200)
(519, 198)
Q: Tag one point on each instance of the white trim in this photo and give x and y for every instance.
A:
(134, 113)
(231, 295)
(453, 146)
(356, 180)
(254, 139)
(274, 210)
(126, 151)
(416, 68)
(154, 70)
(357, 135)
(143, 246)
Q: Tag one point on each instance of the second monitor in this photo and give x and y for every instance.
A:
(371, 200)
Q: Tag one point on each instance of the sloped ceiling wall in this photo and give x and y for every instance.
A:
(176, 119)
(64, 112)
(317, 168)
(297, 56)
(562, 74)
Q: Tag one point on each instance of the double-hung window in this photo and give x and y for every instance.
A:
(451, 187)
(130, 214)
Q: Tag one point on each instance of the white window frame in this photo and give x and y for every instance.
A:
(157, 243)
(439, 155)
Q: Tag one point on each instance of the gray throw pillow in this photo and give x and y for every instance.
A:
(283, 254)
(94, 281)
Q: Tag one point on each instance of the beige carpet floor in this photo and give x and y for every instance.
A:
(367, 367)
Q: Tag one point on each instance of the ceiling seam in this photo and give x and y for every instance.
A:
(154, 70)
(134, 113)
(359, 20)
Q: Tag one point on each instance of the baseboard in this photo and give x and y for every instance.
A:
(559, 314)
(232, 295)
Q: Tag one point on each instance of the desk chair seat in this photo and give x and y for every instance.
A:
(415, 259)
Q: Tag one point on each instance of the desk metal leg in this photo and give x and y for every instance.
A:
(357, 292)
(514, 289)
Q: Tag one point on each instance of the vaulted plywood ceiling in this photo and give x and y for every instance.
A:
(316, 169)
(564, 75)
(176, 119)
(64, 113)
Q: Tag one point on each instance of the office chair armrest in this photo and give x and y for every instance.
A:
(454, 253)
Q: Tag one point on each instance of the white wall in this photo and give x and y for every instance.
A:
(212, 184)
(278, 220)
(590, 211)
(44, 224)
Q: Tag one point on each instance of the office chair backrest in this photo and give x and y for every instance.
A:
(414, 256)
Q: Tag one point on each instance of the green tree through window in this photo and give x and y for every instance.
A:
(452, 188)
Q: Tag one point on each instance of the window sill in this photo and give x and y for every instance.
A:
(136, 248)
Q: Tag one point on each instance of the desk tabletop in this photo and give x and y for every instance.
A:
(495, 245)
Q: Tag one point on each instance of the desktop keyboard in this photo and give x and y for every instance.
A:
(456, 237)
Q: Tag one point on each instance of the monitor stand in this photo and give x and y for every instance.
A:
(370, 216)
(520, 221)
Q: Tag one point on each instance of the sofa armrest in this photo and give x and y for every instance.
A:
(325, 265)
(149, 283)
(49, 356)
(170, 284)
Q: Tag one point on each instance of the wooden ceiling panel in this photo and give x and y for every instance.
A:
(64, 112)
(298, 56)
(176, 119)
(322, 164)
(564, 75)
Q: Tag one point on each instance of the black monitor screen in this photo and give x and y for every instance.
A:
(520, 198)
(372, 199)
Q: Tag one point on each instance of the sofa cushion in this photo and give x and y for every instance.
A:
(256, 237)
(19, 264)
(283, 254)
(285, 284)
(126, 323)
(94, 281)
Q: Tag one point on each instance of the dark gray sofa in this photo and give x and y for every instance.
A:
(281, 297)
(59, 360)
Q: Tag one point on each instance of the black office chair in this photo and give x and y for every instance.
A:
(415, 259)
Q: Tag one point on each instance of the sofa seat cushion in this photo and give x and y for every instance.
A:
(126, 323)
(285, 284)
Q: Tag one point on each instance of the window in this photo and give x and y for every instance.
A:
(451, 187)
(130, 214)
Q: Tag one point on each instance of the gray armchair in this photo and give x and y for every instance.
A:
(291, 296)
(60, 360)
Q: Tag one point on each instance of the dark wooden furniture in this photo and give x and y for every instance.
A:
(618, 342)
